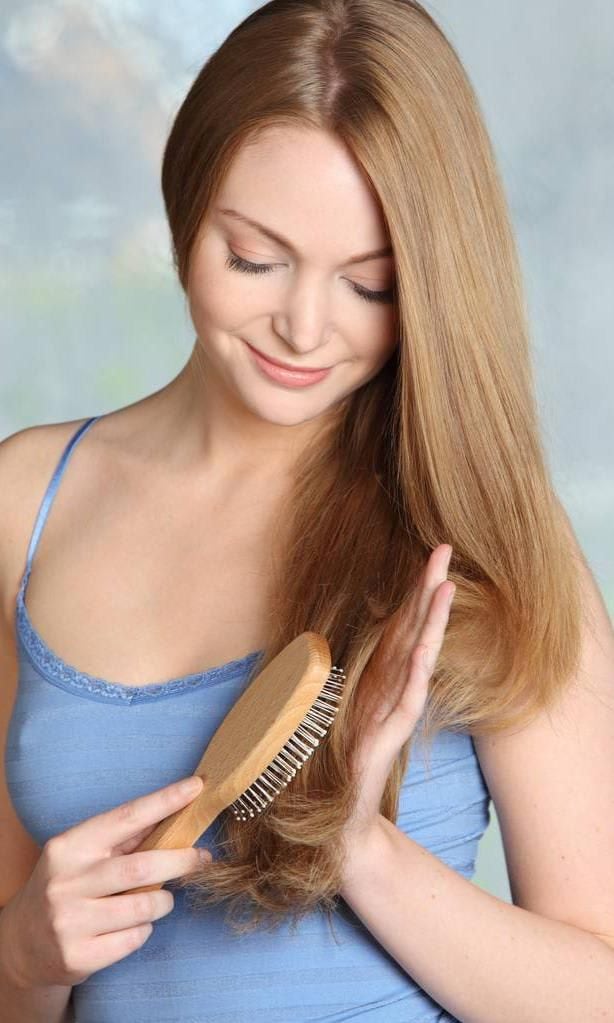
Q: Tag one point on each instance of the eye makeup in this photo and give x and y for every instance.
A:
(235, 262)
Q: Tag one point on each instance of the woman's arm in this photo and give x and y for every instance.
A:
(482, 959)
(549, 957)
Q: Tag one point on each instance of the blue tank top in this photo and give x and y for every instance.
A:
(79, 745)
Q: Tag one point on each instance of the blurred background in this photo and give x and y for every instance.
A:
(91, 317)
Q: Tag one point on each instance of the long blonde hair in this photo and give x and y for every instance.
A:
(442, 446)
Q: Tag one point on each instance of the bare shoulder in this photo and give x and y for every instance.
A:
(27, 460)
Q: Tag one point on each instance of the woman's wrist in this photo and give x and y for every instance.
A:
(21, 999)
(9, 969)
(361, 851)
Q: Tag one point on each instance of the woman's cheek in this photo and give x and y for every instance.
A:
(221, 296)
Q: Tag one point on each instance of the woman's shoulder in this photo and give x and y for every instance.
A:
(26, 455)
(28, 458)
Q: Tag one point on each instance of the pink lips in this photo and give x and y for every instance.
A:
(289, 377)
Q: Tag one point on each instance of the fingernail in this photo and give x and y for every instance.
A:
(451, 596)
(204, 856)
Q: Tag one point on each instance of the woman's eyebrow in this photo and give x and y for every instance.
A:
(362, 258)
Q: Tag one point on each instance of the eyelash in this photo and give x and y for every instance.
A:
(235, 262)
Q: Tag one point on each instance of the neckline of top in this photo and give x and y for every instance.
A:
(66, 676)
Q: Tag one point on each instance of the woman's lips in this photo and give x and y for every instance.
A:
(289, 377)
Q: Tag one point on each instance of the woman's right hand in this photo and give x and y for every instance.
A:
(69, 920)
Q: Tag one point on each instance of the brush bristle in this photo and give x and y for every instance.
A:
(295, 752)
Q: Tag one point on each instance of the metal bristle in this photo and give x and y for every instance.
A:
(291, 757)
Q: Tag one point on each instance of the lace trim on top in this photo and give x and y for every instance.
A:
(67, 677)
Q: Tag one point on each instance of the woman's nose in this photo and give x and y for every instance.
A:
(304, 323)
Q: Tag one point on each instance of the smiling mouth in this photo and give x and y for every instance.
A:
(285, 365)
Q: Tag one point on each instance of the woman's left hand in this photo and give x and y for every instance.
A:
(406, 654)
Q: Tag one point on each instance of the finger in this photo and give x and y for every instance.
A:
(98, 952)
(120, 912)
(436, 573)
(432, 637)
(400, 648)
(97, 836)
(433, 630)
(407, 627)
(123, 873)
(423, 657)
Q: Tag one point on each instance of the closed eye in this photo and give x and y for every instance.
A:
(235, 262)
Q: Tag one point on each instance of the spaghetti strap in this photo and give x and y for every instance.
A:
(50, 493)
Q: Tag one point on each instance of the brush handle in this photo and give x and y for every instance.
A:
(182, 828)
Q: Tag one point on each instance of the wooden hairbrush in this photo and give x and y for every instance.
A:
(263, 741)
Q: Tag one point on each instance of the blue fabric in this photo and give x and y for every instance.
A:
(78, 746)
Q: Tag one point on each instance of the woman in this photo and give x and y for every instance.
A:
(334, 206)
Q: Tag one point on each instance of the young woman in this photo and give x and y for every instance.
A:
(358, 406)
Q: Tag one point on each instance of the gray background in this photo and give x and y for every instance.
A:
(91, 317)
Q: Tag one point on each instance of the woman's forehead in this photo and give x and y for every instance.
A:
(301, 189)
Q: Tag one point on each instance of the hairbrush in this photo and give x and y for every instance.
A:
(264, 740)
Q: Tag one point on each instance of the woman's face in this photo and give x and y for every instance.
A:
(302, 298)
